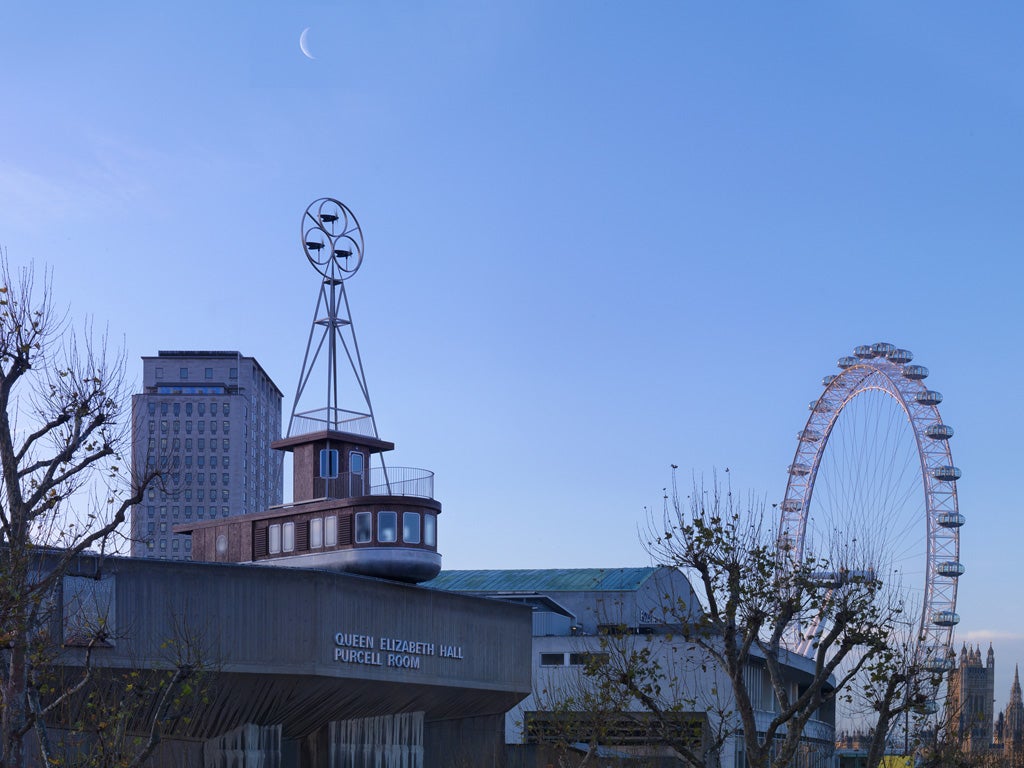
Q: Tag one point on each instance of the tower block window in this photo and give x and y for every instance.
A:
(329, 463)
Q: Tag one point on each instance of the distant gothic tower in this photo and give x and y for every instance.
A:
(1013, 724)
(970, 697)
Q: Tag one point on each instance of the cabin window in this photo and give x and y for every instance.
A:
(331, 531)
(316, 533)
(355, 462)
(430, 530)
(387, 527)
(411, 527)
(356, 467)
(329, 463)
(364, 527)
(274, 539)
(288, 537)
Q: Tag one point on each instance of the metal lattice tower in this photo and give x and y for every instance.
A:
(333, 242)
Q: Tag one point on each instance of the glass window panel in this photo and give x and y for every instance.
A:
(364, 527)
(387, 527)
(316, 533)
(329, 463)
(355, 462)
(430, 530)
(288, 537)
(411, 527)
(331, 531)
(273, 538)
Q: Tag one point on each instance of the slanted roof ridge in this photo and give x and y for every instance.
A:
(619, 579)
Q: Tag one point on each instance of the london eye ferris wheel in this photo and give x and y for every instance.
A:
(873, 473)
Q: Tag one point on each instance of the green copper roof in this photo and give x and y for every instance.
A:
(552, 580)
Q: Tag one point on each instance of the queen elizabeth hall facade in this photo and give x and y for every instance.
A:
(294, 668)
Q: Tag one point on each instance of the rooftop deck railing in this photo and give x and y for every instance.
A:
(335, 419)
(380, 481)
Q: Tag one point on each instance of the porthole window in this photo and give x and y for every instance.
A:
(288, 537)
(316, 533)
(430, 530)
(411, 527)
(273, 539)
(364, 527)
(387, 527)
(331, 531)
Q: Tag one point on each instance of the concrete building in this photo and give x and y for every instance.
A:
(287, 667)
(206, 421)
(583, 615)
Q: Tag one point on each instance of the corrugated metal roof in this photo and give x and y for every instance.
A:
(549, 580)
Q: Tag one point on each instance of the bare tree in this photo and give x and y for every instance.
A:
(895, 695)
(64, 486)
(757, 597)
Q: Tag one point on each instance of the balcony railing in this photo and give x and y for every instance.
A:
(381, 481)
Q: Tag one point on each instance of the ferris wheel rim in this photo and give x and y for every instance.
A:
(866, 372)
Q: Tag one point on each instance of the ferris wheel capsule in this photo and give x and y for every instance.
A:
(939, 432)
(928, 397)
(950, 519)
(915, 372)
(947, 474)
(799, 469)
(847, 362)
(938, 665)
(864, 352)
(945, 618)
(882, 348)
(950, 569)
(826, 380)
(901, 356)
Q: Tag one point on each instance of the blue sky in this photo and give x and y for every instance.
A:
(599, 240)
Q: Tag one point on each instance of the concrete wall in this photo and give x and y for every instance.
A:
(267, 640)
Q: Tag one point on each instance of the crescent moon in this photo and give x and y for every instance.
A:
(303, 45)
